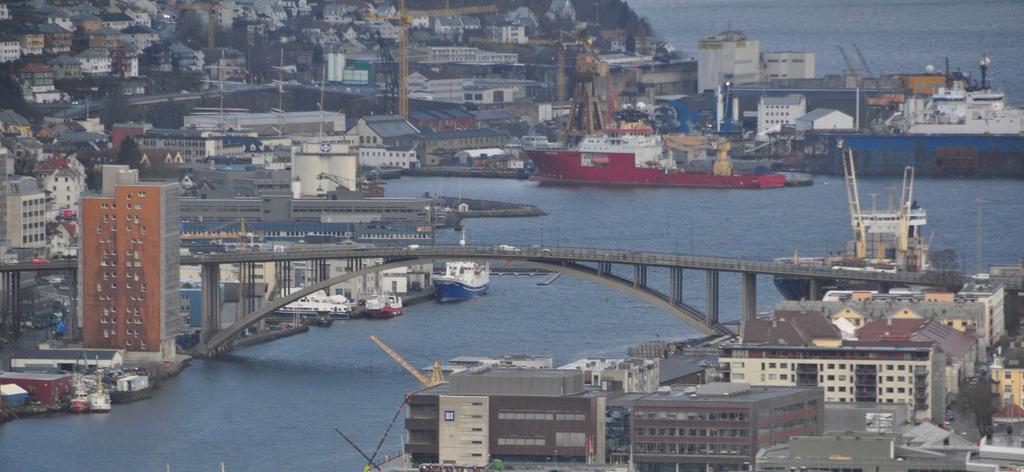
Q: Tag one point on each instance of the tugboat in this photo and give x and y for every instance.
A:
(80, 400)
(383, 306)
(99, 399)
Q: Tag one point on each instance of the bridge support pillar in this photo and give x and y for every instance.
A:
(676, 285)
(210, 303)
(814, 293)
(749, 295)
(604, 268)
(10, 288)
(711, 297)
(639, 276)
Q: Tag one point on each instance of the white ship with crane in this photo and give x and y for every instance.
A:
(884, 240)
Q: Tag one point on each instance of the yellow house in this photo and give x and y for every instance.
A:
(849, 314)
(1007, 376)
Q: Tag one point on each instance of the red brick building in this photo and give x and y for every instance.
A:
(120, 131)
(128, 266)
(44, 388)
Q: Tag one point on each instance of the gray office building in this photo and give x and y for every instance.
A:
(857, 453)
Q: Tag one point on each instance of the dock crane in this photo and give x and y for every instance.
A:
(404, 19)
(906, 204)
(863, 62)
(436, 376)
(853, 198)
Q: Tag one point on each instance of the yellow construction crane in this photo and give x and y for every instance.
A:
(404, 18)
(209, 8)
(853, 198)
(436, 376)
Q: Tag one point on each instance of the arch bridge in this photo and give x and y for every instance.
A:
(595, 265)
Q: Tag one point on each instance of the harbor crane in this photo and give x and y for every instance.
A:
(906, 204)
(863, 62)
(853, 198)
(404, 18)
(436, 375)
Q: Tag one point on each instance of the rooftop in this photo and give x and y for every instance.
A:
(719, 392)
(31, 376)
(61, 354)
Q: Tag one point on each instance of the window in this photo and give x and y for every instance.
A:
(570, 439)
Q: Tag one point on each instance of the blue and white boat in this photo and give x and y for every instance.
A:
(462, 280)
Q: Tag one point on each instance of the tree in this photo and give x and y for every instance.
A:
(979, 400)
(129, 154)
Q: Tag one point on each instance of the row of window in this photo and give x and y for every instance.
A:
(531, 441)
(830, 366)
(691, 415)
(673, 449)
(129, 332)
(540, 416)
(694, 432)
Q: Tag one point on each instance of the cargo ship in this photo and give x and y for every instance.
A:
(963, 129)
(885, 240)
(632, 154)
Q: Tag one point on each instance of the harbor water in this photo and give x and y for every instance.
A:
(273, 407)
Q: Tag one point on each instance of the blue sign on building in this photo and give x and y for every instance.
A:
(449, 415)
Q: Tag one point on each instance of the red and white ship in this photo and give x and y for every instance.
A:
(632, 154)
(384, 306)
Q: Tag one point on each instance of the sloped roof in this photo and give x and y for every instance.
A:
(789, 329)
(34, 68)
(817, 113)
(951, 340)
(390, 126)
(11, 118)
(64, 60)
(889, 328)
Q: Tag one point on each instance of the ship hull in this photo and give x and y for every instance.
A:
(933, 155)
(450, 291)
(620, 169)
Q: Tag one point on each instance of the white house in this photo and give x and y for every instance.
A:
(64, 184)
(775, 112)
(382, 157)
(94, 61)
(140, 36)
(5, 12)
(10, 51)
(63, 239)
(824, 118)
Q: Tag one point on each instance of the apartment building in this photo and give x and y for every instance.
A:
(128, 266)
(805, 350)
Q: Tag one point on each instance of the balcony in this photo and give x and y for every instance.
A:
(866, 380)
